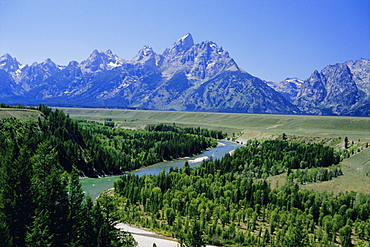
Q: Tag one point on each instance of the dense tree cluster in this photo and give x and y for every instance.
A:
(220, 201)
(231, 209)
(317, 174)
(40, 203)
(217, 134)
(94, 149)
(273, 157)
(3, 105)
(115, 150)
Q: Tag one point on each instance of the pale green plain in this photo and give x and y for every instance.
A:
(355, 128)
(23, 114)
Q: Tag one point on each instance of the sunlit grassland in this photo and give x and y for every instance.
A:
(356, 176)
(24, 114)
(355, 128)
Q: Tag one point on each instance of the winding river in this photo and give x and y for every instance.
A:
(145, 238)
(94, 186)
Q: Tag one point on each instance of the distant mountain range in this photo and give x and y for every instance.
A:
(185, 77)
(340, 89)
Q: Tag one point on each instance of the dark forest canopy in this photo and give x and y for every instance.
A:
(217, 134)
(114, 150)
(42, 205)
(94, 149)
(223, 202)
(227, 203)
(41, 200)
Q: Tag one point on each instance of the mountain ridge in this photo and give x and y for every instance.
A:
(186, 76)
(338, 89)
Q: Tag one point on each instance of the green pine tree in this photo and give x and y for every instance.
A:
(16, 207)
(345, 236)
(195, 236)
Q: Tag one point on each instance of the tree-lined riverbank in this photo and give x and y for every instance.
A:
(94, 186)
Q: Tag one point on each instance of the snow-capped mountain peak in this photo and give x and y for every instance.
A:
(200, 61)
(144, 54)
(187, 76)
(100, 61)
(8, 63)
(181, 45)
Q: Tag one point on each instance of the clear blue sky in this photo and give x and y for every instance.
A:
(271, 39)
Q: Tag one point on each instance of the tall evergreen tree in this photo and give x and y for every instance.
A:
(345, 236)
(49, 186)
(194, 237)
(15, 196)
(78, 220)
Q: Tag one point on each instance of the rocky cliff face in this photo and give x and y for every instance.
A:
(198, 62)
(361, 75)
(187, 76)
(339, 89)
(289, 88)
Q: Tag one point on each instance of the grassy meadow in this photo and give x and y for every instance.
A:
(356, 176)
(24, 114)
(243, 125)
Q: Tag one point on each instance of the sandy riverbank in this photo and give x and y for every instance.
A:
(200, 159)
(146, 238)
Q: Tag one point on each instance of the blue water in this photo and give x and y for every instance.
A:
(94, 186)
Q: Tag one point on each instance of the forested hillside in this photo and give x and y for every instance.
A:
(94, 149)
(41, 204)
(41, 200)
(114, 150)
(225, 202)
(222, 202)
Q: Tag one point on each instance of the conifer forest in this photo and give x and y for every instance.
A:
(222, 202)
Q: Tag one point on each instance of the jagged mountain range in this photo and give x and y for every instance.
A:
(339, 89)
(186, 76)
